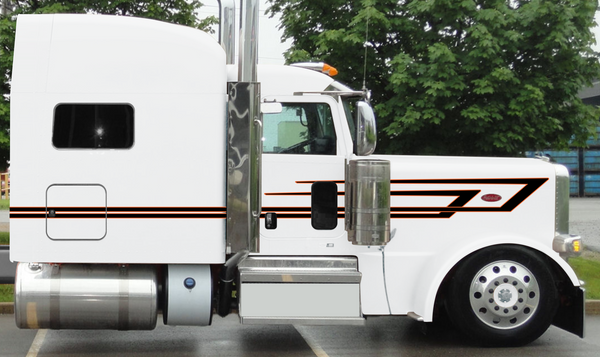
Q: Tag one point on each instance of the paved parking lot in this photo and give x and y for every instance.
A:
(381, 336)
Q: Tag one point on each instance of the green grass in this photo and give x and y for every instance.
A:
(4, 205)
(587, 267)
(4, 238)
(6, 293)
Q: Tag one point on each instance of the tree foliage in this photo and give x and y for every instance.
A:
(181, 12)
(460, 77)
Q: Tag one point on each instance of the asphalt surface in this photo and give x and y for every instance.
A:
(381, 336)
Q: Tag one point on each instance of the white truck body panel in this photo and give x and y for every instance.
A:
(175, 79)
(173, 177)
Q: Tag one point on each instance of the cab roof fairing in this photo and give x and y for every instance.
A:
(81, 53)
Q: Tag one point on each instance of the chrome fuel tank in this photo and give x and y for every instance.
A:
(86, 296)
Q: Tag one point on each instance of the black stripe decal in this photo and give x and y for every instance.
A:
(133, 215)
(463, 197)
(120, 209)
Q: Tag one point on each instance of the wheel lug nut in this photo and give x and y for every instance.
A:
(496, 308)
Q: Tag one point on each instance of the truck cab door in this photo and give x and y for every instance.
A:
(303, 177)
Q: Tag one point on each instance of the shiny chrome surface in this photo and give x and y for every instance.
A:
(86, 296)
(244, 147)
(244, 151)
(504, 294)
(567, 245)
(302, 289)
(562, 200)
(366, 130)
(248, 54)
(300, 270)
(227, 29)
(300, 263)
(368, 202)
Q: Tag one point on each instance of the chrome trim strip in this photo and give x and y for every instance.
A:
(339, 270)
(561, 222)
(300, 263)
(336, 93)
(307, 277)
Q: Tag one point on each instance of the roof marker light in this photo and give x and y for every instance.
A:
(317, 66)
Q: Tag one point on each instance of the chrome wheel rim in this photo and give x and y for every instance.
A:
(504, 294)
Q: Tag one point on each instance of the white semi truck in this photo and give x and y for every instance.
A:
(151, 175)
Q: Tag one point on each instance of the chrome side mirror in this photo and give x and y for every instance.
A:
(366, 130)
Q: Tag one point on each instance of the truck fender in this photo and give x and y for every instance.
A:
(433, 277)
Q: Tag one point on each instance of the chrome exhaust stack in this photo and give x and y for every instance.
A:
(227, 29)
(244, 148)
(248, 58)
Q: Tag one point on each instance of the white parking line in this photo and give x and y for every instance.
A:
(37, 343)
(319, 352)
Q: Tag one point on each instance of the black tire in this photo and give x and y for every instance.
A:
(502, 296)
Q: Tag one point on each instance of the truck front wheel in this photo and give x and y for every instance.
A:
(502, 296)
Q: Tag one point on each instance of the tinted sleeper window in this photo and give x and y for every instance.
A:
(93, 126)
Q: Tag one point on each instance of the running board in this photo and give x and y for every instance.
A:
(300, 290)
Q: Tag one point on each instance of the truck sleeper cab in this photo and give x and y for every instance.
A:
(342, 234)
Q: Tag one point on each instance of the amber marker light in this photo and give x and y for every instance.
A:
(327, 69)
(576, 246)
(317, 66)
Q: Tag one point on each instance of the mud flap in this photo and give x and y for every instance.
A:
(571, 312)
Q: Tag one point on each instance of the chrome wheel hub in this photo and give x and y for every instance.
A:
(504, 294)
